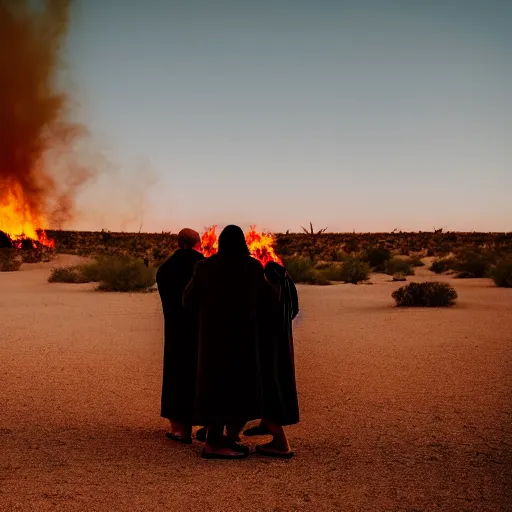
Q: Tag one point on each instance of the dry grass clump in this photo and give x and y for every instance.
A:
(120, 274)
(73, 274)
(113, 273)
(428, 294)
(9, 260)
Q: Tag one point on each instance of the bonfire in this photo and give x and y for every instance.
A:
(261, 245)
(24, 227)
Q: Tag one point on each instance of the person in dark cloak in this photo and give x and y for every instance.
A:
(230, 294)
(181, 337)
(282, 406)
(5, 241)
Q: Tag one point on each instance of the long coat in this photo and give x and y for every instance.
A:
(282, 404)
(181, 336)
(231, 296)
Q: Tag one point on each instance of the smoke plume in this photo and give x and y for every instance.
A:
(38, 163)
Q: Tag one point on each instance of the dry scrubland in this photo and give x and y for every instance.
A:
(402, 410)
(322, 246)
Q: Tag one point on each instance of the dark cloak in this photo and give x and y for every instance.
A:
(181, 336)
(231, 296)
(5, 241)
(281, 403)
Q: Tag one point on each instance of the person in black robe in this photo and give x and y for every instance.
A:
(5, 241)
(181, 337)
(230, 294)
(282, 406)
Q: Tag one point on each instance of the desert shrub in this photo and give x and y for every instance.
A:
(92, 272)
(415, 261)
(399, 277)
(9, 260)
(442, 265)
(120, 274)
(473, 263)
(72, 274)
(302, 270)
(377, 258)
(399, 266)
(337, 255)
(34, 255)
(353, 270)
(502, 274)
(427, 294)
(329, 271)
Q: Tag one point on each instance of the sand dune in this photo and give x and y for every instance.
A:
(402, 410)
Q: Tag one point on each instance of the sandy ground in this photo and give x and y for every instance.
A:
(402, 410)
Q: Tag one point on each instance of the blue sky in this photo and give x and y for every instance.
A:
(366, 114)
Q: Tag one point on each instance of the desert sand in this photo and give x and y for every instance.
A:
(402, 410)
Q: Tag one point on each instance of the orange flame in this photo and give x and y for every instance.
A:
(19, 221)
(209, 242)
(261, 245)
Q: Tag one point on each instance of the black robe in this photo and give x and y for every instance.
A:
(230, 295)
(181, 336)
(282, 404)
(5, 241)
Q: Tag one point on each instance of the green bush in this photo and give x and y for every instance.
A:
(302, 270)
(9, 260)
(377, 258)
(502, 274)
(442, 265)
(427, 294)
(353, 270)
(399, 266)
(473, 263)
(93, 271)
(120, 274)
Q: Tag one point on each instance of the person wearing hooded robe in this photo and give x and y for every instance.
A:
(5, 241)
(180, 337)
(282, 407)
(230, 294)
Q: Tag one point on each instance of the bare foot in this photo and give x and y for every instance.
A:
(223, 449)
(275, 449)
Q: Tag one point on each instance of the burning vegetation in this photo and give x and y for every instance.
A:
(261, 245)
(39, 174)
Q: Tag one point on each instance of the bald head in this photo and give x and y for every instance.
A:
(188, 239)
